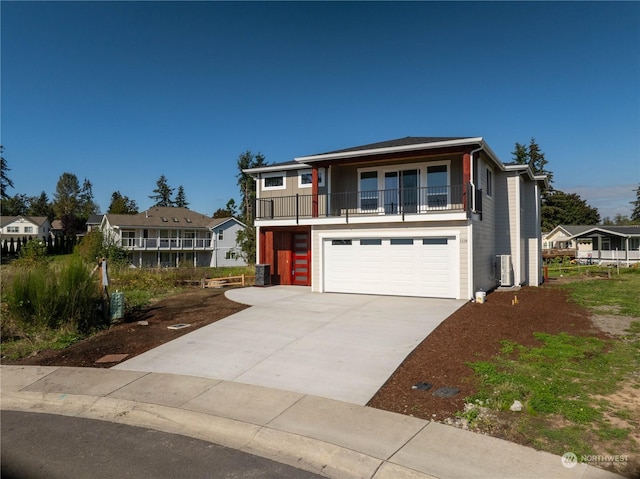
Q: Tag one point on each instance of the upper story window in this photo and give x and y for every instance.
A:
(489, 183)
(305, 178)
(273, 181)
(220, 235)
(28, 229)
(13, 229)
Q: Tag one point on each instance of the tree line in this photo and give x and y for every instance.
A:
(73, 203)
(561, 208)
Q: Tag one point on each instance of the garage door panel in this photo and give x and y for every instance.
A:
(395, 266)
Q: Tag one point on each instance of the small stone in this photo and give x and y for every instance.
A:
(143, 323)
(422, 386)
(516, 406)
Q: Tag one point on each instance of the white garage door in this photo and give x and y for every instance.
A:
(394, 266)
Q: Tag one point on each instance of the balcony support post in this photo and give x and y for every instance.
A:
(314, 191)
(466, 179)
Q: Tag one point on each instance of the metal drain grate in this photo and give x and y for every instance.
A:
(446, 392)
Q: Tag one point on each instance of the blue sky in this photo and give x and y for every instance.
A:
(123, 92)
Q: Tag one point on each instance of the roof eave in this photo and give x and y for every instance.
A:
(267, 169)
(391, 149)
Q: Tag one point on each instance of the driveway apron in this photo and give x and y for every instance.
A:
(339, 346)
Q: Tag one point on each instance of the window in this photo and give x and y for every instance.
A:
(13, 229)
(489, 185)
(429, 241)
(128, 238)
(28, 229)
(341, 242)
(401, 241)
(230, 255)
(305, 178)
(371, 242)
(605, 244)
(220, 235)
(273, 181)
(437, 185)
(369, 190)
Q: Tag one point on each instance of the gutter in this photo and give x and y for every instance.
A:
(470, 269)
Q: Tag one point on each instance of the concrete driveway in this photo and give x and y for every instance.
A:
(339, 346)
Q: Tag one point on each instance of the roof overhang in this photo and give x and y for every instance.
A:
(280, 167)
(603, 230)
(397, 149)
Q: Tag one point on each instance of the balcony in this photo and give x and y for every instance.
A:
(394, 202)
(166, 244)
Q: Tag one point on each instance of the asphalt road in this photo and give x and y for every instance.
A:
(39, 446)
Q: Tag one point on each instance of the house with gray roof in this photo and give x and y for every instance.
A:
(171, 236)
(29, 227)
(415, 216)
(597, 243)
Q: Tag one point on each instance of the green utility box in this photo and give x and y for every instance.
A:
(117, 306)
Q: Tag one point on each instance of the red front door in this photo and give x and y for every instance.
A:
(301, 264)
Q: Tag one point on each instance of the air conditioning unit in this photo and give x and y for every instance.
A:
(506, 270)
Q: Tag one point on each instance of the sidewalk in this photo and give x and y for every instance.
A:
(329, 437)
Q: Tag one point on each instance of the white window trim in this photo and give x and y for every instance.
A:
(321, 178)
(275, 174)
(422, 177)
(489, 183)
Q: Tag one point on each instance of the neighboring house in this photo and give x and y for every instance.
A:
(602, 244)
(29, 227)
(94, 222)
(167, 236)
(417, 216)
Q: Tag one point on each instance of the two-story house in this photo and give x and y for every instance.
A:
(417, 216)
(169, 237)
(29, 227)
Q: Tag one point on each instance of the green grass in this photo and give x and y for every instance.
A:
(620, 292)
(559, 379)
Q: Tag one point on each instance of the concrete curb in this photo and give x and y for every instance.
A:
(325, 436)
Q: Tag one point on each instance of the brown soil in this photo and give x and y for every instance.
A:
(197, 307)
(472, 333)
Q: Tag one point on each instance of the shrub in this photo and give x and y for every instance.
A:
(55, 296)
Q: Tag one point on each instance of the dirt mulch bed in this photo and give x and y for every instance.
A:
(197, 307)
(473, 333)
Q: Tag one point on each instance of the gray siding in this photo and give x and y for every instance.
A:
(226, 251)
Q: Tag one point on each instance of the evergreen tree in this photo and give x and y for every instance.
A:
(40, 206)
(635, 214)
(181, 198)
(228, 211)
(162, 192)
(247, 184)
(562, 208)
(5, 182)
(16, 205)
(122, 205)
(534, 157)
(87, 203)
(247, 236)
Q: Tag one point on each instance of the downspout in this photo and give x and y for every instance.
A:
(470, 269)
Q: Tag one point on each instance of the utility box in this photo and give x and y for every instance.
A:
(116, 306)
(263, 275)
